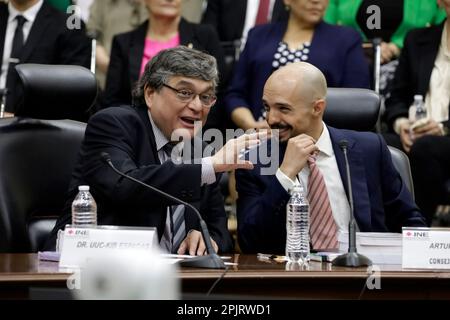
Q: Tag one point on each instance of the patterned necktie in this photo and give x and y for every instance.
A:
(177, 223)
(263, 12)
(323, 228)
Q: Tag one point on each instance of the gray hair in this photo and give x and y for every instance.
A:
(178, 61)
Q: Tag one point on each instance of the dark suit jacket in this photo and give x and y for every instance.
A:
(228, 17)
(127, 135)
(381, 200)
(335, 50)
(49, 42)
(416, 63)
(128, 50)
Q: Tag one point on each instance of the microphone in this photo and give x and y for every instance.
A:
(352, 258)
(211, 260)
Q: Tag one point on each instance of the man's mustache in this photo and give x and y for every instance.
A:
(280, 126)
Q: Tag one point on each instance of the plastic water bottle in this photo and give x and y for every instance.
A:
(417, 114)
(420, 111)
(84, 209)
(297, 226)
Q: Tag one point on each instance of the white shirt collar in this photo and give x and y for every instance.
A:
(324, 143)
(29, 14)
(160, 138)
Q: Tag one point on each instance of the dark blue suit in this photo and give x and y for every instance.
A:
(335, 50)
(381, 199)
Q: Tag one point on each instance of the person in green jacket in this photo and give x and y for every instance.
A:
(396, 19)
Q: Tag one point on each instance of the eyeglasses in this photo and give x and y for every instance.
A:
(185, 95)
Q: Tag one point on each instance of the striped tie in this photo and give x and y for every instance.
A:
(323, 228)
(178, 226)
(175, 234)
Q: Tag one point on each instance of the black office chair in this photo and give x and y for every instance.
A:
(350, 108)
(36, 161)
(401, 163)
(357, 109)
(56, 92)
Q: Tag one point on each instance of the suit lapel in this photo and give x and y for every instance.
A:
(187, 34)
(238, 18)
(143, 114)
(43, 19)
(3, 24)
(361, 200)
(428, 50)
(136, 52)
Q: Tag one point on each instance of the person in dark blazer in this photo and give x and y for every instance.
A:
(127, 52)
(47, 40)
(176, 90)
(335, 50)
(294, 98)
(229, 17)
(165, 28)
(424, 69)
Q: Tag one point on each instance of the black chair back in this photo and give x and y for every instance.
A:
(36, 161)
(350, 108)
(401, 163)
(56, 91)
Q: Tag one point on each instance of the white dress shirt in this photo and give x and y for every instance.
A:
(250, 17)
(29, 14)
(326, 162)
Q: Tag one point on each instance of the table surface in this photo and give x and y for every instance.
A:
(252, 277)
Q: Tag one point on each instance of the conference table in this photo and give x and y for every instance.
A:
(249, 277)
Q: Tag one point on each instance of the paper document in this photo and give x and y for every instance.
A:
(380, 247)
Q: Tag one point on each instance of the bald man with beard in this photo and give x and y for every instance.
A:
(295, 100)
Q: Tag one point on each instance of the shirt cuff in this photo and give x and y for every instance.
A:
(398, 123)
(208, 173)
(285, 181)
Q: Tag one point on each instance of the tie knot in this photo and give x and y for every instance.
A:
(20, 21)
(312, 159)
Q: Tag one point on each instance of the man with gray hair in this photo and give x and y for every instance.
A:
(176, 91)
(310, 153)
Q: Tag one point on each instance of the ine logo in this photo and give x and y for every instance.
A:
(374, 20)
(74, 20)
(417, 234)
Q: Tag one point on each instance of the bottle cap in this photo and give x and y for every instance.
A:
(83, 188)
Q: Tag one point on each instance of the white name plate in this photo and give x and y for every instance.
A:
(81, 244)
(426, 248)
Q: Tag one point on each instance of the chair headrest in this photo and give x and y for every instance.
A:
(350, 108)
(56, 91)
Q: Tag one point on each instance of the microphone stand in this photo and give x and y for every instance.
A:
(211, 260)
(3, 94)
(352, 258)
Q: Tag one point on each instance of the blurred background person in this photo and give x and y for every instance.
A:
(395, 19)
(424, 69)
(32, 31)
(165, 28)
(234, 18)
(108, 18)
(335, 50)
